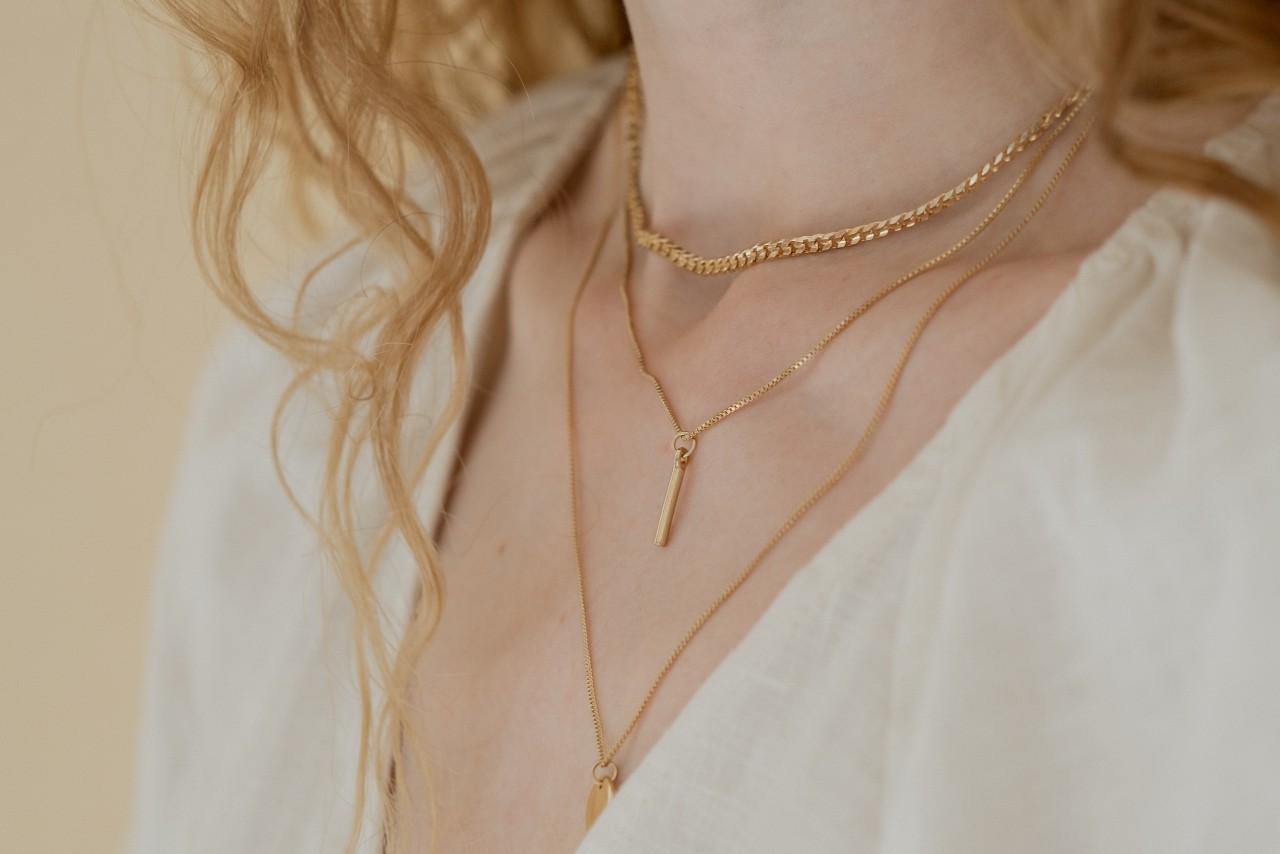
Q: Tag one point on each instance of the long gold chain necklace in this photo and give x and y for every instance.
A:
(811, 244)
(604, 774)
(684, 442)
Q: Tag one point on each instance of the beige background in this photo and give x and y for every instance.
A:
(103, 325)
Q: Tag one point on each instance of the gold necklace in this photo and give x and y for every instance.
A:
(604, 773)
(684, 442)
(814, 243)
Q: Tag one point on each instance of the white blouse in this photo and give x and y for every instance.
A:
(1057, 630)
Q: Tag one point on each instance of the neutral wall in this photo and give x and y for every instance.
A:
(103, 325)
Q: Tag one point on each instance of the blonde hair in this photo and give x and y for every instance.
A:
(353, 92)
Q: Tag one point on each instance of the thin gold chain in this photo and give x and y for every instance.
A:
(813, 243)
(592, 698)
(848, 319)
(608, 752)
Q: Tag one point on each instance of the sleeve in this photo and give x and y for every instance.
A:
(246, 688)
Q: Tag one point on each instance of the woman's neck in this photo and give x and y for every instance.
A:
(765, 118)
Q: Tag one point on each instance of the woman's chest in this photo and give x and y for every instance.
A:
(502, 690)
(786, 725)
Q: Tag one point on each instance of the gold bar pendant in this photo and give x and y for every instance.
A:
(599, 797)
(673, 493)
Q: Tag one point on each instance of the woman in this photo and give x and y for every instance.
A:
(993, 569)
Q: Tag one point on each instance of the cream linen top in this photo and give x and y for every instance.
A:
(1057, 630)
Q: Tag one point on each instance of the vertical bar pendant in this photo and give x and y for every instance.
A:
(673, 493)
(599, 797)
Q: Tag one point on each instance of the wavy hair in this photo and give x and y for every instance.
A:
(351, 94)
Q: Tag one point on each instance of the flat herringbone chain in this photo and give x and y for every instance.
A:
(814, 243)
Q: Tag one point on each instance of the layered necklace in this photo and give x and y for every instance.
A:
(605, 773)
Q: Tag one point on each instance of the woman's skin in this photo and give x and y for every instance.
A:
(764, 119)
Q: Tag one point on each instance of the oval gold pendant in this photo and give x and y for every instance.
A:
(601, 794)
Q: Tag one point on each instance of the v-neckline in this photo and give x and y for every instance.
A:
(592, 96)
(970, 413)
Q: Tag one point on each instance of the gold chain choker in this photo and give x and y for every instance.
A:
(811, 244)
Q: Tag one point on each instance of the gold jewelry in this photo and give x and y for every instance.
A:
(813, 243)
(685, 441)
(604, 773)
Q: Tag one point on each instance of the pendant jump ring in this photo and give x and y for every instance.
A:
(605, 771)
(685, 442)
